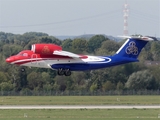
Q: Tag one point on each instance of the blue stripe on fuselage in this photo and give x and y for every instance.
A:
(108, 62)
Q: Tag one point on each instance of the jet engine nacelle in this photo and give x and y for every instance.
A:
(47, 49)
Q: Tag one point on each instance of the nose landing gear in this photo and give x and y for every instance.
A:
(22, 69)
(65, 72)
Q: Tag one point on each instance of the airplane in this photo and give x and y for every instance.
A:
(52, 56)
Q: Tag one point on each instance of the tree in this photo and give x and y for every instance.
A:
(155, 72)
(3, 77)
(120, 86)
(141, 80)
(116, 74)
(95, 42)
(108, 47)
(60, 82)
(67, 45)
(108, 85)
(50, 39)
(79, 80)
(6, 86)
(9, 50)
(46, 77)
(79, 45)
(35, 81)
(93, 87)
(155, 50)
(48, 87)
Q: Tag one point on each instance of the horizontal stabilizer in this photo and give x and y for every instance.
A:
(145, 38)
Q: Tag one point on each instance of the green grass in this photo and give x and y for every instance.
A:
(82, 114)
(80, 100)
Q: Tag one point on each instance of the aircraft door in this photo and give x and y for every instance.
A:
(34, 59)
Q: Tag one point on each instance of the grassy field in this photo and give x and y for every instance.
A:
(80, 114)
(83, 114)
(80, 100)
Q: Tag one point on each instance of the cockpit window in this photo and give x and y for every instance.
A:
(19, 54)
(23, 54)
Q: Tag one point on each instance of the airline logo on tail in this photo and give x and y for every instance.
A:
(132, 48)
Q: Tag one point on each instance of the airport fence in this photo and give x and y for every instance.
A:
(79, 93)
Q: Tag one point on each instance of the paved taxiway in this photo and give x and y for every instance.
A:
(80, 106)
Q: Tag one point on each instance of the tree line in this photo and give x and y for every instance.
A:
(131, 76)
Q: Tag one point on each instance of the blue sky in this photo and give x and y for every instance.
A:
(77, 17)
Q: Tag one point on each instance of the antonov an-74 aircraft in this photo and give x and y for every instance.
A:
(52, 56)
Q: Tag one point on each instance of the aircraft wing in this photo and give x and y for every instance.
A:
(66, 53)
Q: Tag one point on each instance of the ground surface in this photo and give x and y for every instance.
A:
(80, 107)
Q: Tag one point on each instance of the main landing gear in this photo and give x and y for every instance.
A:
(65, 72)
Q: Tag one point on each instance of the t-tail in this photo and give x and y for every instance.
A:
(133, 46)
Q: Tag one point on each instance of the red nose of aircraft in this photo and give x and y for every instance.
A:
(10, 59)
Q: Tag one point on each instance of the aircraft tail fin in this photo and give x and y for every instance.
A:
(133, 46)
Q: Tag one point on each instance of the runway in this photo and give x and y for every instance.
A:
(80, 107)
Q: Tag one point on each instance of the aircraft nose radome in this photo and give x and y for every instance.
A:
(9, 60)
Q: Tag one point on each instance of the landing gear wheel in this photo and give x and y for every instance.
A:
(22, 69)
(67, 72)
(60, 72)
